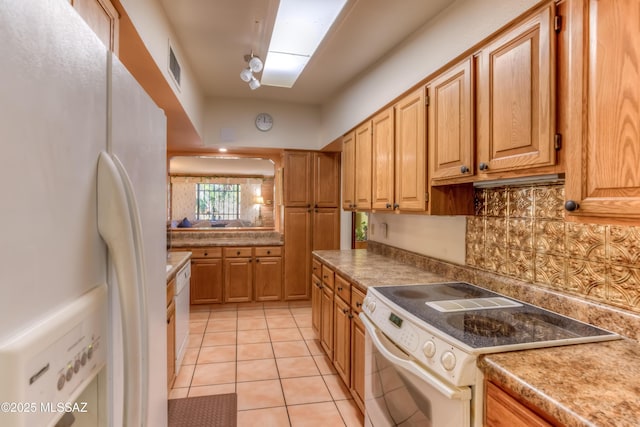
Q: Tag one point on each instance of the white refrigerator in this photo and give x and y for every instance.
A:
(82, 259)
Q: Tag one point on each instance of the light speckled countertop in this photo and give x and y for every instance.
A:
(594, 384)
(176, 260)
(211, 238)
(368, 269)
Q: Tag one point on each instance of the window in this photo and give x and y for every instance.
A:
(217, 201)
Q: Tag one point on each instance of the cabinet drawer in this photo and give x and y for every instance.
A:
(327, 276)
(171, 291)
(357, 297)
(206, 252)
(316, 268)
(343, 288)
(268, 251)
(237, 252)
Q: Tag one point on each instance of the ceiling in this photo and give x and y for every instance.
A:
(221, 166)
(215, 35)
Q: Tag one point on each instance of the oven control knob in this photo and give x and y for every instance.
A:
(448, 360)
(429, 349)
(372, 306)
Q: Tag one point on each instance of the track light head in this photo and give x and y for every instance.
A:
(246, 75)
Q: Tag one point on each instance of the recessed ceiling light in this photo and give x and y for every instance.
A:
(222, 150)
(299, 28)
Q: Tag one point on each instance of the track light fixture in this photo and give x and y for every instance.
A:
(254, 65)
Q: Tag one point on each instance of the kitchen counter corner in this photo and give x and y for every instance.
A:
(175, 261)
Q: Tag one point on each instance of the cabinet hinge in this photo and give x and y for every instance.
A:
(557, 23)
(557, 141)
(426, 100)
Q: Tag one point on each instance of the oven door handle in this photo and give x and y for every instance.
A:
(394, 355)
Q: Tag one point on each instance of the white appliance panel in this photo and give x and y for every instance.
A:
(52, 126)
(138, 138)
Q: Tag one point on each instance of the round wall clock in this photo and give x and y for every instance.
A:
(264, 122)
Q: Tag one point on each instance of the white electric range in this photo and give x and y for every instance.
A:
(423, 342)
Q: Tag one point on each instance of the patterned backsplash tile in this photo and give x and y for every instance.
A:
(521, 232)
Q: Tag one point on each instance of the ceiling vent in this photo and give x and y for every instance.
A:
(174, 66)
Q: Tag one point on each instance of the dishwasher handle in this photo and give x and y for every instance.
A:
(400, 359)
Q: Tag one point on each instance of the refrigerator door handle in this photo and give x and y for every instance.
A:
(120, 227)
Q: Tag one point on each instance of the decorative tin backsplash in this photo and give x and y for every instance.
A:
(521, 232)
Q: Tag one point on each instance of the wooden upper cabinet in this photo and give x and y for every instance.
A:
(515, 97)
(603, 147)
(363, 166)
(450, 123)
(383, 169)
(326, 182)
(311, 178)
(348, 171)
(103, 19)
(297, 178)
(411, 152)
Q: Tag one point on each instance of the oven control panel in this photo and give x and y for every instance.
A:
(420, 340)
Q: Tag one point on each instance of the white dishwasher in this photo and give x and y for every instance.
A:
(182, 312)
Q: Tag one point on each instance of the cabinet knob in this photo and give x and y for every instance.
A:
(168, 321)
(350, 316)
(345, 310)
(269, 253)
(257, 260)
(309, 205)
(315, 206)
(571, 205)
(396, 206)
(316, 210)
(388, 205)
(340, 288)
(206, 253)
(464, 169)
(483, 166)
(358, 304)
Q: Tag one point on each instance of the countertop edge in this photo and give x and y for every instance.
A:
(177, 260)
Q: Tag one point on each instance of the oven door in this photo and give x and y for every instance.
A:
(400, 392)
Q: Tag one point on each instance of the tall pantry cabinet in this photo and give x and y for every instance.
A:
(311, 196)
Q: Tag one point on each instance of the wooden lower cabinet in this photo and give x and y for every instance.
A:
(206, 281)
(316, 304)
(238, 279)
(342, 339)
(267, 279)
(236, 274)
(171, 344)
(335, 306)
(297, 241)
(503, 410)
(326, 321)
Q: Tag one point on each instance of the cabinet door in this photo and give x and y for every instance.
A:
(326, 229)
(267, 280)
(450, 123)
(326, 180)
(357, 361)
(516, 97)
(348, 171)
(171, 344)
(363, 166)
(342, 340)
(316, 304)
(382, 173)
(206, 281)
(603, 151)
(297, 252)
(411, 153)
(326, 321)
(297, 178)
(238, 278)
(502, 410)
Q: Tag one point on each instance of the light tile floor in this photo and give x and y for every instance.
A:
(270, 356)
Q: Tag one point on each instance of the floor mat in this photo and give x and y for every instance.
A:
(204, 411)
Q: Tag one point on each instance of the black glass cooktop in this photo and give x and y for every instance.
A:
(485, 328)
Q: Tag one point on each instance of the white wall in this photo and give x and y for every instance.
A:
(151, 23)
(441, 237)
(294, 125)
(446, 36)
